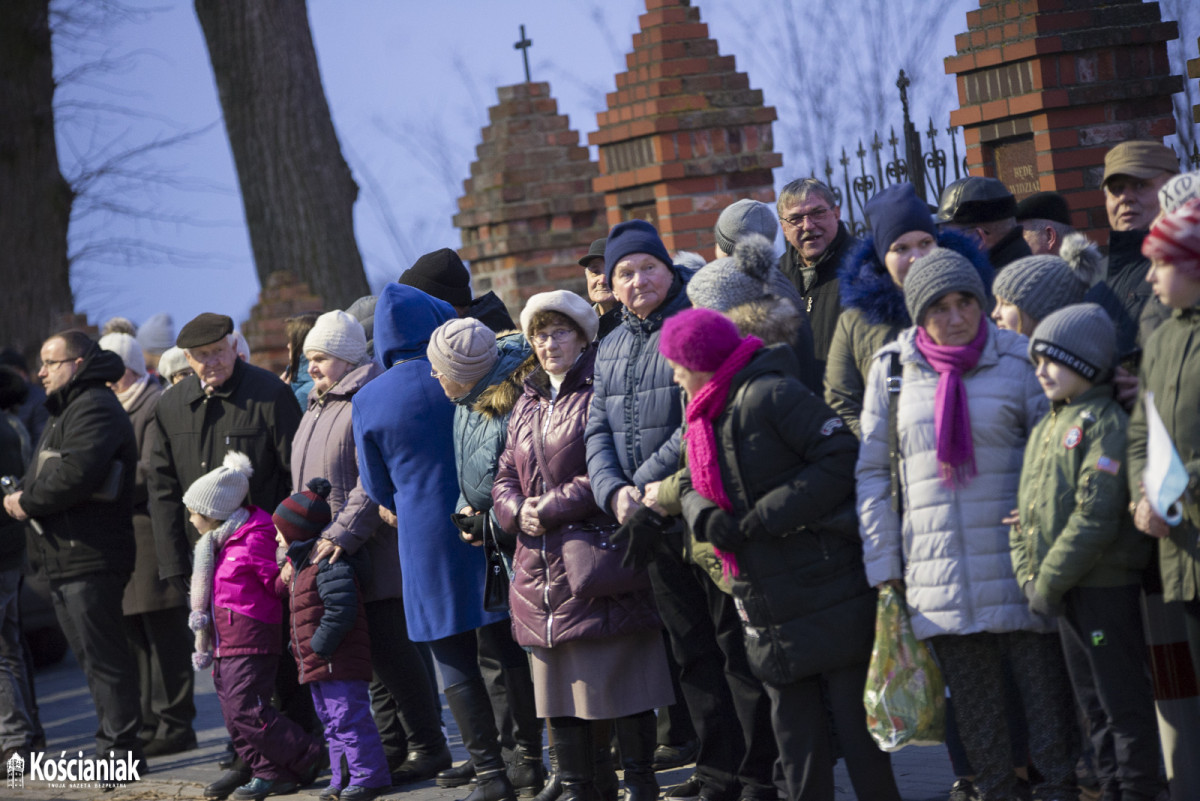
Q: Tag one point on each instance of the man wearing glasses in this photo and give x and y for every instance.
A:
(79, 488)
(817, 242)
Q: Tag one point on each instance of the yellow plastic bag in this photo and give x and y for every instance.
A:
(905, 695)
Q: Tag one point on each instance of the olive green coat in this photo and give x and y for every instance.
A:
(1171, 369)
(1075, 529)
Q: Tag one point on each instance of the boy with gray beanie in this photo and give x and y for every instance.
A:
(1074, 546)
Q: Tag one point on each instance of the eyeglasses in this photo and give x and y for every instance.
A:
(50, 364)
(559, 335)
(796, 220)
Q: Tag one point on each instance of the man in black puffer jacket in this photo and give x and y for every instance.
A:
(79, 488)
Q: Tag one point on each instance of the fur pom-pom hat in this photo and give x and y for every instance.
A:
(1039, 285)
(736, 279)
(221, 492)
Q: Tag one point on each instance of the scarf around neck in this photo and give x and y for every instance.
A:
(702, 412)
(951, 411)
(130, 396)
(204, 563)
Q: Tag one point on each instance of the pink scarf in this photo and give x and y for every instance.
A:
(951, 413)
(702, 411)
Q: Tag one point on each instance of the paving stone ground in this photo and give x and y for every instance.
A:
(70, 721)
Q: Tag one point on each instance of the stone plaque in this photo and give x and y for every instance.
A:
(1016, 167)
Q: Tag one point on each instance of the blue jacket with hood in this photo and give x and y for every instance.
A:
(403, 429)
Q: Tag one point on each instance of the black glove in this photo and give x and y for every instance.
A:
(643, 530)
(751, 526)
(1040, 603)
(720, 529)
(471, 525)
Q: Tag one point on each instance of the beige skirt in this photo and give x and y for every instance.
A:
(602, 679)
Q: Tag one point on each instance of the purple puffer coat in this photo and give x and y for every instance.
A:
(324, 447)
(544, 612)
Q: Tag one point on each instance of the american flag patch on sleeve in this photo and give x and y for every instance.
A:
(1110, 466)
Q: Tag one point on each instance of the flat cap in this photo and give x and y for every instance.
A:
(976, 200)
(1044, 206)
(1140, 159)
(204, 329)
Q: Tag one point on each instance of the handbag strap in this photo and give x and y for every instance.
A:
(895, 383)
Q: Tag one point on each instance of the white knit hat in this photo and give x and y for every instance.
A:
(241, 346)
(338, 334)
(128, 349)
(565, 303)
(221, 492)
(173, 360)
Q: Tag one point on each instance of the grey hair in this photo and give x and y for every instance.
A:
(799, 190)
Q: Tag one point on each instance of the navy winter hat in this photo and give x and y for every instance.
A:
(304, 515)
(633, 236)
(893, 213)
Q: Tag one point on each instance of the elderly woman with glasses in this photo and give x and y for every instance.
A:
(590, 624)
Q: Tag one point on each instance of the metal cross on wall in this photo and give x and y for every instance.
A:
(523, 46)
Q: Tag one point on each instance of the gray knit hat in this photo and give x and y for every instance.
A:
(157, 334)
(744, 217)
(1081, 337)
(565, 303)
(464, 350)
(221, 492)
(736, 279)
(171, 362)
(937, 273)
(1038, 285)
(338, 334)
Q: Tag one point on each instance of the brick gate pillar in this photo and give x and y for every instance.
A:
(528, 211)
(684, 134)
(1047, 87)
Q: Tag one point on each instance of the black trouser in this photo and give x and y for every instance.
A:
(89, 610)
(706, 639)
(161, 644)
(973, 666)
(674, 723)
(1105, 650)
(400, 668)
(802, 731)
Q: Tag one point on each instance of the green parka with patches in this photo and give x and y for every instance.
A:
(1075, 529)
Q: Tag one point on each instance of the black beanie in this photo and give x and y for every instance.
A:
(441, 274)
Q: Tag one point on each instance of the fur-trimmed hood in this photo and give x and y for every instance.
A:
(774, 320)
(866, 285)
(496, 393)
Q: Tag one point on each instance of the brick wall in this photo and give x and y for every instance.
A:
(684, 135)
(284, 296)
(1074, 77)
(529, 210)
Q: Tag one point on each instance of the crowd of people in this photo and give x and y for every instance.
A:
(621, 524)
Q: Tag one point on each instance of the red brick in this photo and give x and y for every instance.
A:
(990, 15)
(1011, 31)
(962, 41)
(968, 115)
(974, 19)
(1073, 117)
(960, 64)
(978, 38)
(971, 136)
(689, 30)
(1080, 157)
(995, 36)
(996, 109)
(1058, 181)
(1048, 44)
(1019, 50)
(662, 16)
(988, 58)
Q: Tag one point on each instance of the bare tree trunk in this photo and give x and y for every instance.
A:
(297, 190)
(35, 200)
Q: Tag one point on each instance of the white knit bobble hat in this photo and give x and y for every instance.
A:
(219, 493)
(128, 349)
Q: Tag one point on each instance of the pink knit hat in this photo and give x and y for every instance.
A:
(699, 339)
(1175, 239)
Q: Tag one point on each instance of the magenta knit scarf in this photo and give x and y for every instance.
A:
(951, 413)
(702, 411)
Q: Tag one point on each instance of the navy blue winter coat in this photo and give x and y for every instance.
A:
(633, 428)
(403, 429)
